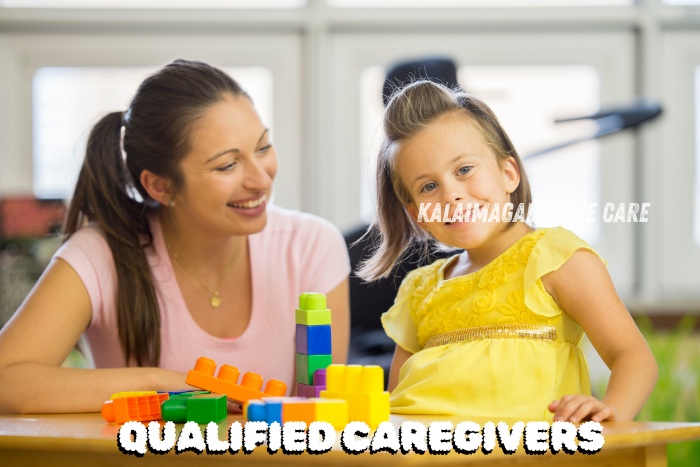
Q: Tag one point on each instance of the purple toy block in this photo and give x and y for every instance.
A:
(304, 390)
(320, 377)
(302, 339)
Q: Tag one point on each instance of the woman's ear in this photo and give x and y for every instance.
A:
(157, 187)
(511, 175)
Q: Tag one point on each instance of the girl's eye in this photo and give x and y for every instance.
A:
(464, 170)
(265, 148)
(429, 186)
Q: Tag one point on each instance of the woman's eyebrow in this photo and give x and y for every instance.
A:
(226, 151)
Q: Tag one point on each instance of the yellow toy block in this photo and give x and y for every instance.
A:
(363, 389)
(117, 395)
(333, 411)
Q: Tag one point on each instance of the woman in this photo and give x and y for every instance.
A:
(172, 253)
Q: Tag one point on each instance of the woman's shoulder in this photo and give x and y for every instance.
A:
(88, 238)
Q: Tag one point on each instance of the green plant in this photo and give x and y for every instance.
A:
(676, 396)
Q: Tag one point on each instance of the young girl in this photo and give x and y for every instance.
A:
(492, 331)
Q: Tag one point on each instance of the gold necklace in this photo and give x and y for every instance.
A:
(214, 298)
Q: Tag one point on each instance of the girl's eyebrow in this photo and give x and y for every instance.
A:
(427, 175)
(236, 150)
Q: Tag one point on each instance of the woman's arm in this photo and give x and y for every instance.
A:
(37, 340)
(583, 288)
(400, 357)
(338, 301)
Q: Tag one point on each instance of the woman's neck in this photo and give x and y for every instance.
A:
(199, 250)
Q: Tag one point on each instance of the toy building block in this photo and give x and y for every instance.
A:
(312, 310)
(333, 411)
(195, 406)
(266, 410)
(305, 390)
(226, 382)
(314, 340)
(134, 406)
(296, 409)
(300, 410)
(306, 366)
(363, 388)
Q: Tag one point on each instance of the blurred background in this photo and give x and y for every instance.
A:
(316, 70)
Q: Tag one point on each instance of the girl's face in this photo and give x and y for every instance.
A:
(229, 170)
(448, 162)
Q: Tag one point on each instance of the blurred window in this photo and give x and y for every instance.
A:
(68, 101)
(475, 3)
(169, 4)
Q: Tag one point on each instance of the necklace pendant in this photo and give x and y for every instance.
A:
(215, 301)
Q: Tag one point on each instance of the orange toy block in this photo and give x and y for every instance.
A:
(226, 382)
(298, 411)
(124, 407)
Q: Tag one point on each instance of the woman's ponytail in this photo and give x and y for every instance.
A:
(104, 195)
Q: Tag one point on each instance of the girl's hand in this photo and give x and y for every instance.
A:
(579, 407)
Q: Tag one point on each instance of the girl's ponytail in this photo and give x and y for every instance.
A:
(104, 195)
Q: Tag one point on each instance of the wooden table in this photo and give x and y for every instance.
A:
(85, 439)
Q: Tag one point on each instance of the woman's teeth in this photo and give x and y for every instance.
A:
(249, 204)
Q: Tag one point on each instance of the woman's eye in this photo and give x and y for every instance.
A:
(226, 167)
(429, 186)
(265, 148)
(464, 170)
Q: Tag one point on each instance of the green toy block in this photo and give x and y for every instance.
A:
(174, 409)
(205, 408)
(312, 310)
(308, 364)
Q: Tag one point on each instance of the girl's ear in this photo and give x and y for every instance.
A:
(511, 175)
(157, 187)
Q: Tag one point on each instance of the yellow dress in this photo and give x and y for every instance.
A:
(510, 349)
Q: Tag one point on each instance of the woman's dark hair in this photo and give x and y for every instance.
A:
(155, 133)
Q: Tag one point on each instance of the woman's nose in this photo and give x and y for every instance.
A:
(256, 177)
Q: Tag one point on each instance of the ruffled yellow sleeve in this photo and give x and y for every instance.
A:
(398, 321)
(554, 249)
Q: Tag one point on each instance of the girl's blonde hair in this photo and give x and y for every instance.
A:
(409, 110)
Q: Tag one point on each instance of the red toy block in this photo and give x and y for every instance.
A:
(226, 382)
(139, 408)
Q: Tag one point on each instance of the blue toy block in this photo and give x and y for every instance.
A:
(313, 340)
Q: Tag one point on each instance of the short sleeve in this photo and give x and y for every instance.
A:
(88, 253)
(326, 260)
(550, 252)
(398, 321)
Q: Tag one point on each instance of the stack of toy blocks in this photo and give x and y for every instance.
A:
(297, 409)
(195, 406)
(313, 343)
(139, 406)
(226, 382)
(363, 388)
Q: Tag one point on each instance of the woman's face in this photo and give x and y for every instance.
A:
(229, 170)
